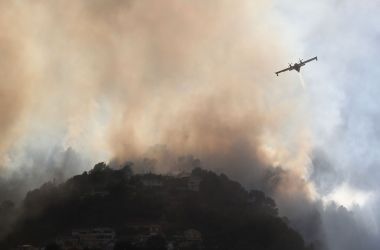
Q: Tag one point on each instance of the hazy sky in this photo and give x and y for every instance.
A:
(343, 90)
(87, 81)
(343, 85)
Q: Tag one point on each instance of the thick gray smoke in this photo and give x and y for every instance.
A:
(111, 79)
(40, 167)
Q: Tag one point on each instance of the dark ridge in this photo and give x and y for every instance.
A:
(197, 210)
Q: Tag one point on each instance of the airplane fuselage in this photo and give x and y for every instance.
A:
(298, 66)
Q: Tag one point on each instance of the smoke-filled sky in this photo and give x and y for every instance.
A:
(88, 81)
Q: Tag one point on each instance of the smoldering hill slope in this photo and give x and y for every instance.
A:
(227, 215)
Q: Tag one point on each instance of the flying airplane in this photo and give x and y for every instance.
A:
(296, 66)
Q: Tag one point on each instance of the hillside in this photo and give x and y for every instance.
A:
(198, 210)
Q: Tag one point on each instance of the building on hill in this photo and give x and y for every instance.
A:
(96, 193)
(68, 243)
(193, 235)
(145, 229)
(192, 181)
(151, 180)
(27, 247)
(189, 239)
(138, 233)
(183, 175)
(103, 238)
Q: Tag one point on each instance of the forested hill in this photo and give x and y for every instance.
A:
(221, 211)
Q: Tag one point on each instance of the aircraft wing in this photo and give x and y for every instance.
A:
(312, 59)
(278, 72)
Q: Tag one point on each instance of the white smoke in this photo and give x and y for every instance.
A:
(302, 80)
(343, 90)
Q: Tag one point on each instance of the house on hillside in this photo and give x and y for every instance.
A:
(191, 181)
(68, 243)
(103, 238)
(189, 239)
(95, 194)
(193, 235)
(27, 247)
(151, 180)
(139, 232)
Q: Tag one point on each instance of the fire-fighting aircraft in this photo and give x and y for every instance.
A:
(296, 66)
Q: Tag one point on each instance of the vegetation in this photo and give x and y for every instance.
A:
(227, 215)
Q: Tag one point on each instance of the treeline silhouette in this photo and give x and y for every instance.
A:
(227, 215)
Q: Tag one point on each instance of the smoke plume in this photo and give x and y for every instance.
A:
(110, 79)
(119, 77)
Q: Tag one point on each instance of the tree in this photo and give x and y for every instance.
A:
(99, 167)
